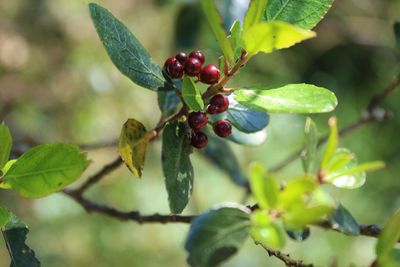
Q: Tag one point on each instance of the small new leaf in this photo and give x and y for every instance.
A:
(5, 144)
(46, 169)
(176, 165)
(125, 51)
(303, 13)
(269, 36)
(216, 235)
(332, 144)
(264, 187)
(389, 237)
(191, 94)
(132, 145)
(308, 155)
(292, 98)
(266, 232)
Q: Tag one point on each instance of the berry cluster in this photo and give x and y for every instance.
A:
(197, 120)
(192, 66)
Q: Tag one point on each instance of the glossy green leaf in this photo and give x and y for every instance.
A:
(339, 160)
(216, 235)
(46, 169)
(5, 144)
(125, 51)
(292, 98)
(344, 222)
(5, 170)
(299, 235)
(264, 187)
(215, 22)
(236, 39)
(14, 233)
(254, 13)
(191, 94)
(177, 168)
(168, 102)
(332, 143)
(228, 163)
(4, 216)
(269, 36)
(266, 232)
(309, 153)
(132, 146)
(351, 170)
(251, 139)
(303, 13)
(389, 237)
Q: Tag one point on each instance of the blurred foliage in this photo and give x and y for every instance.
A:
(58, 85)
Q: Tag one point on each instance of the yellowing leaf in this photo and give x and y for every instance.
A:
(269, 36)
(132, 145)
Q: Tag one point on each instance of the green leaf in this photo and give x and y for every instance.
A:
(254, 13)
(228, 163)
(266, 232)
(344, 222)
(292, 98)
(299, 235)
(299, 218)
(5, 170)
(168, 102)
(332, 144)
(252, 139)
(264, 187)
(303, 13)
(269, 36)
(215, 22)
(14, 233)
(389, 237)
(242, 118)
(308, 155)
(125, 51)
(191, 94)
(216, 235)
(339, 160)
(396, 28)
(132, 145)
(5, 144)
(177, 168)
(295, 190)
(236, 39)
(4, 216)
(46, 169)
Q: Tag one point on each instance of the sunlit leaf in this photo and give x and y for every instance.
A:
(177, 168)
(254, 13)
(125, 51)
(332, 144)
(295, 190)
(4, 171)
(292, 98)
(269, 36)
(303, 13)
(264, 187)
(132, 145)
(236, 39)
(46, 169)
(301, 217)
(191, 94)
(265, 231)
(215, 22)
(308, 155)
(344, 222)
(216, 235)
(14, 233)
(389, 237)
(4, 216)
(5, 144)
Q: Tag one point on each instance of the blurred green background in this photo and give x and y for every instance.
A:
(58, 85)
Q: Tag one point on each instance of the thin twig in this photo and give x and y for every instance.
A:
(285, 258)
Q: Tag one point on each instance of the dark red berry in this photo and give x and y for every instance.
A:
(169, 62)
(221, 102)
(181, 57)
(197, 120)
(223, 128)
(175, 70)
(211, 109)
(192, 66)
(197, 54)
(209, 74)
(199, 140)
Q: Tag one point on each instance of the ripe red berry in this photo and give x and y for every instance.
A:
(181, 57)
(220, 102)
(211, 109)
(209, 74)
(169, 62)
(197, 54)
(175, 70)
(197, 120)
(199, 140)
(192, 66)
(223, 128)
